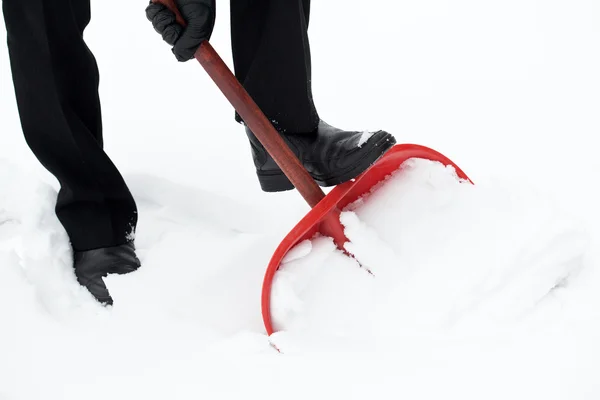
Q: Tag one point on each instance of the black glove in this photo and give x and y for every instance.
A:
(200, 18)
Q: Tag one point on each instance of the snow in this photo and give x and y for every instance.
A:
(419, 267)
(477, 291)
(364, 137)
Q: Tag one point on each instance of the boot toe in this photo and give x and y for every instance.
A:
(96, 286)
(354, 157)
(91, 265)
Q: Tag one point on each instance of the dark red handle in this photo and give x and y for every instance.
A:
(254, 117)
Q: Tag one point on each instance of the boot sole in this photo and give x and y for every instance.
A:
(277, 181)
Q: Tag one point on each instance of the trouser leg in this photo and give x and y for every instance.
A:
(56, 85)
(272, 60)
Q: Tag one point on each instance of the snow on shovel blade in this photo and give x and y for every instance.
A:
(324, 217)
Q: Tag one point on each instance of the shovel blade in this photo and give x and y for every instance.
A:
(324, 217)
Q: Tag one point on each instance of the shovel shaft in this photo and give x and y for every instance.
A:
(254, 117)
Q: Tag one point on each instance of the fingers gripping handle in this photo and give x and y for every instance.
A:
(253, 117)
(170, 4)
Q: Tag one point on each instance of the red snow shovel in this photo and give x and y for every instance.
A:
(323, 218)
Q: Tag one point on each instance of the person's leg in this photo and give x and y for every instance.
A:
(272, 60)
(56, 84)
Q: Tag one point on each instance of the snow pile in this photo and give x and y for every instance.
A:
(175, 311)
(437, 254)
(188, 324)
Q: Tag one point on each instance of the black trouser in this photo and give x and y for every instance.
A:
(56, 83)
(271, 58)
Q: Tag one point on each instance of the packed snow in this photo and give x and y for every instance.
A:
(487, 290)
(416, 265)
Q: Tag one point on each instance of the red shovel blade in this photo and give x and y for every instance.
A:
(324, 217)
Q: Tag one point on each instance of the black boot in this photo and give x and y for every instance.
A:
(92, 265)
(331, 156)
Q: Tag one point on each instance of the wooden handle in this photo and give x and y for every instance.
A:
(254, 117)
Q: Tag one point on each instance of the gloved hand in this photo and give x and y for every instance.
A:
(200, 18)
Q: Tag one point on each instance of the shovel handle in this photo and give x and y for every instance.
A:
(253, 117)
